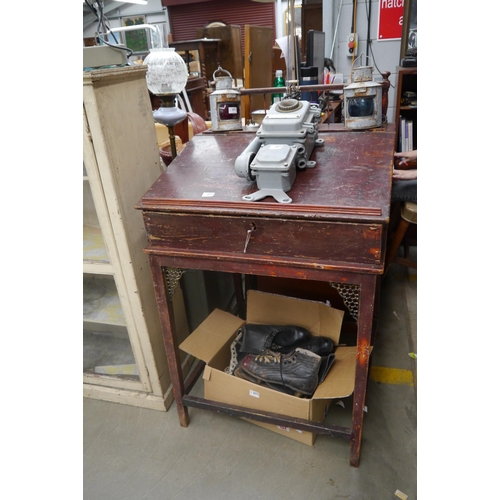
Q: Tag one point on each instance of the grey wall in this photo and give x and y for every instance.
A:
(384, 54)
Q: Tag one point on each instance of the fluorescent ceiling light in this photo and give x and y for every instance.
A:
(138, 2)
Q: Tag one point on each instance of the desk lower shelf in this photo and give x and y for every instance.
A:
(268, 417)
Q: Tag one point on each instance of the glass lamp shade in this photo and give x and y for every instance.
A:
(167, 72)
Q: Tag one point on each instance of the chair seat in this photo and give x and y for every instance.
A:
(409, 212)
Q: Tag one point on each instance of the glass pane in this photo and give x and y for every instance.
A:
(94, 249)
(361, 106)
(106, 346)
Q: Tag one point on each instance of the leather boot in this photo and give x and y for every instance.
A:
(322, 346)
(240, 373)
(326, 364)
(297, 370)
(259, 338)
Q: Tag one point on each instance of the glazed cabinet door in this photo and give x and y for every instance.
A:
(124, 355)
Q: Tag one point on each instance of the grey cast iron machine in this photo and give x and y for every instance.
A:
(283, 143)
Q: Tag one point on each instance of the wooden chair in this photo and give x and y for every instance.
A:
(407, 216)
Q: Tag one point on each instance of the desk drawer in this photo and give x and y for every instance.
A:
(270, 238)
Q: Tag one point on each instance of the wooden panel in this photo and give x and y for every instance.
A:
(312, 19)
(259, 43)
(270, 239)
(229, 51)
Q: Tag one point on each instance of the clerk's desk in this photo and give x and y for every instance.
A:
(334, 231)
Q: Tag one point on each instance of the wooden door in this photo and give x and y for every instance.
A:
(229, 50)
(312, 19)
(259, 43)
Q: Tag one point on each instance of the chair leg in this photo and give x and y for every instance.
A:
(394, 217)
(395, 243)
(406, 247)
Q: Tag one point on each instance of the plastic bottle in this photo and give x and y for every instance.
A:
(278, 82)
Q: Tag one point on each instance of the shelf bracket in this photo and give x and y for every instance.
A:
(350, 295)
(172, 277)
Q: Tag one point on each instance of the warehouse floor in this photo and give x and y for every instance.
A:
(132, 453)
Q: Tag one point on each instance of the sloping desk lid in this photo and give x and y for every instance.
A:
(351, 179)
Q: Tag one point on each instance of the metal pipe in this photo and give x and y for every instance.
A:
(336, 29)
(305, 88)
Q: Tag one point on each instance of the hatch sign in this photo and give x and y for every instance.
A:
(390, 19)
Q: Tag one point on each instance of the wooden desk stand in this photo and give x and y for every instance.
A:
(334, 231)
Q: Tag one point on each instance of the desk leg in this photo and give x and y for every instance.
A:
(365, 318)
(167, 321)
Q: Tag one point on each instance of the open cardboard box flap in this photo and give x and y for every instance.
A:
(269, 309)
(211, 336)
(339, 383)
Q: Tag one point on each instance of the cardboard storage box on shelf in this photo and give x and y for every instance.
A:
(211, 343)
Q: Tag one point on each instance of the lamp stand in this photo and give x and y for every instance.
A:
(169, 114)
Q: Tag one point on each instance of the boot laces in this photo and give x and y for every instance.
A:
(268, 357)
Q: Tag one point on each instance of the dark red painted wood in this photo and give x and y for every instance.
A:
(333, 231)
(351, 180)
(317, 242)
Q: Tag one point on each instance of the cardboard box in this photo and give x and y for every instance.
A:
(211, 343)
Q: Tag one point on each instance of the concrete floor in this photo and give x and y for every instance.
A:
(131, 453)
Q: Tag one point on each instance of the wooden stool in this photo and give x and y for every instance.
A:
(408, 216)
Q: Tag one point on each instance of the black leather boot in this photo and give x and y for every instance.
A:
(259, 338)
(240, 373)
(322, 346)
(297, 370)
(326, 365)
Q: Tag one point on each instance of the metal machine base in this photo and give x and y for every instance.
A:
(278, 194)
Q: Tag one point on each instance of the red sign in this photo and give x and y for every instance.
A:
(390, 19)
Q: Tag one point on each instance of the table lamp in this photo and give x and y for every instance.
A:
(166, 78)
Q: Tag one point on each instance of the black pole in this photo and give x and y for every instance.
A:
(368, 41)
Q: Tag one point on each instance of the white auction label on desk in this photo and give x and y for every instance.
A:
(254, 394)
(207, 195)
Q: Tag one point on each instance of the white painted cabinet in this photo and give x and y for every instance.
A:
(124, 358)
